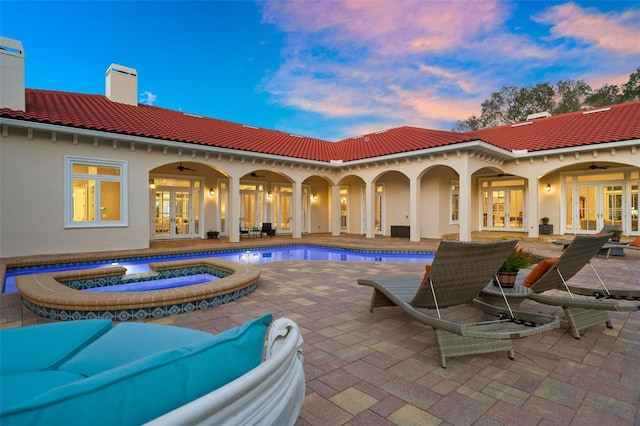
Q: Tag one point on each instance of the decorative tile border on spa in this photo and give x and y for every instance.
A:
(136, 314)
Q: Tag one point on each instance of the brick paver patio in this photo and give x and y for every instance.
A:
(382, 368)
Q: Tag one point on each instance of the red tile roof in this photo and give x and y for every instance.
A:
(393, 141)
(620, 122)
(600, 125)
(97, 112)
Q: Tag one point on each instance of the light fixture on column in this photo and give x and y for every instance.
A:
(548, 187)
(314, 197)
(212, 192)
(269, 195)
(152, 184)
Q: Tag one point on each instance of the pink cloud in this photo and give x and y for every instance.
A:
(392, 27)
(597, 81)
(618, 32)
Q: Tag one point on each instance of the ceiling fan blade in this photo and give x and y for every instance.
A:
(594, 166)
(183, 168)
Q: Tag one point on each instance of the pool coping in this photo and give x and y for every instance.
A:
(45, 295)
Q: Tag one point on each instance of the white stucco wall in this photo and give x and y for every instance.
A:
(32, 182)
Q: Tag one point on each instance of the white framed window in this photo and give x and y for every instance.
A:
(454, 197)
(95, 193)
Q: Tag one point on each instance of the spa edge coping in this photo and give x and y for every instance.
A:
(46, 291)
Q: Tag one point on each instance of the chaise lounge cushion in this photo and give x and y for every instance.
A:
(47, 345)
(137, 374)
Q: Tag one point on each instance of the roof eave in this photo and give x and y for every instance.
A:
(143, 140)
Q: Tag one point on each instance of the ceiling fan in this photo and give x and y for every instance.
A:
(255, 175)
(183, 168)
(594, 166)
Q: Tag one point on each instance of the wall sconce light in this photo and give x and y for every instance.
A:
(152, 184)
(548, 187)
(269, 195)
(314, 197)
(212, 192)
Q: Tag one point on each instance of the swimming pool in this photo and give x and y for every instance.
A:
(247, 256)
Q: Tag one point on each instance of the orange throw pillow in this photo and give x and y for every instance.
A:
(541, 268)
(636, 242)
(427, 268)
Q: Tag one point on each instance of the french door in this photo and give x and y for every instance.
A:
(592, 206)
(174, 214)
(503, 209)
(176, 208)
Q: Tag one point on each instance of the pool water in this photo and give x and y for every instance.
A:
(252, 256)
(159, 284)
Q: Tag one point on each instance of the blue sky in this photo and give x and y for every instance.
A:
(325, 69)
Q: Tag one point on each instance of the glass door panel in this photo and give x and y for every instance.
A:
(588, 209)
(182, 217)
(613, 205)
(284, 217)
(344, 208)
(163, 213)
(485, 209)
(248, 210)
(568, 202)
(377, 209)
(516, 208)
(634, 208)
(498, 199)
(223, 195)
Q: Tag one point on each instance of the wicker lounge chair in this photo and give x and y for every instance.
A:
(606, 230)
(457, 275)
(584, 307)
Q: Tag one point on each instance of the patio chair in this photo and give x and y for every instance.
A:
(267, 229)
(617, 248)
(244, 232)
(457, 275)
(606, 230)
(584, 307)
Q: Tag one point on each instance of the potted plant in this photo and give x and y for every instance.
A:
(616, 234)
(212, 234)
(545, 220)
(517, 259)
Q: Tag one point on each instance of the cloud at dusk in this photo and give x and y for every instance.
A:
(410, 62)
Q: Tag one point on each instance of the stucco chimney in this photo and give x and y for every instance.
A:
(11, 74)
(122, 85)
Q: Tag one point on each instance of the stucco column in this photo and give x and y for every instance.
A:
(335, 210)
(414, 208)
(532, 208)
(234, 215)
(369, 197)
(297, 210)
(464, 206)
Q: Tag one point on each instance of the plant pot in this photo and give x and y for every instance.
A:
(507, 278)
(615, 238)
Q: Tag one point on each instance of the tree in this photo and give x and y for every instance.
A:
(631, 89)
(608, 94)
(471, 123)
(570, 96)
(512, 104)
(538, 98)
